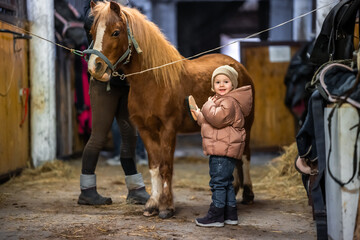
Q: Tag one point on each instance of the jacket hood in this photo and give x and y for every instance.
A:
(243, 96)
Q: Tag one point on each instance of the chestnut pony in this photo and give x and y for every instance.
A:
(157, 97)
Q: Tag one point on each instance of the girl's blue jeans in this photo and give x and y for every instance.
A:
(221, 173)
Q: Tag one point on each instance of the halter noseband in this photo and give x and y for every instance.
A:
(127, 54)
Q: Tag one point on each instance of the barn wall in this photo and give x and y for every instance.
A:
(274, 126)
(14, 139)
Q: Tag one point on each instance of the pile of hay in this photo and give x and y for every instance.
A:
(55, 169)
(282, 181)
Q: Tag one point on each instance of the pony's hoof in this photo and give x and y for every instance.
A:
(168, 213)
(149, 212)
(248, 195)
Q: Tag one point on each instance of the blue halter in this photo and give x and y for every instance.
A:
(126, 55)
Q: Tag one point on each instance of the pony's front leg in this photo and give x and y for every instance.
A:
(152, 205)
(161, 195)
(166, 204)
(161, 155)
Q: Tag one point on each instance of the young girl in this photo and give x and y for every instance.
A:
(222, 129)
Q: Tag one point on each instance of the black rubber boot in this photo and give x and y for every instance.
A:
(91, 197)
(137, 193)
(214, 218)
(230, 215)
(137, 196)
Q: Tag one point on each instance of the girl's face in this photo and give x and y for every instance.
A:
(222, 84)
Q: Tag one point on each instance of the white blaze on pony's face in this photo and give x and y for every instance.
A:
(95, 68)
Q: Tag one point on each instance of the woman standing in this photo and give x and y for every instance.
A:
(107, 103)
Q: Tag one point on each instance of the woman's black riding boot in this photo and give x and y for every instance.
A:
(137, 193)
(89, 195)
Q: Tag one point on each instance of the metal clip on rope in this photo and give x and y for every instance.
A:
(78, 52)
(116, 74)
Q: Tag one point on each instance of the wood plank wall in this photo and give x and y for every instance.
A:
(274, 126)
(14, 139)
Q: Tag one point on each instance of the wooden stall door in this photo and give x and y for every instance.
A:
(14, 138)
(267, 63)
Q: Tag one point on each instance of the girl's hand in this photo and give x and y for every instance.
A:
(212, 99)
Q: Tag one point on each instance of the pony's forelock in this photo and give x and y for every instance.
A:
(102, 12)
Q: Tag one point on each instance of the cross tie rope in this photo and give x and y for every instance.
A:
(81, 53)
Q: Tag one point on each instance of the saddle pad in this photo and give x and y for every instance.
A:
(337, 79)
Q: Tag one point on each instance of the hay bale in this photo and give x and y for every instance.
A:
(55, 169)
(282, 181)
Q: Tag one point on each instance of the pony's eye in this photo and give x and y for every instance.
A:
(115, 33)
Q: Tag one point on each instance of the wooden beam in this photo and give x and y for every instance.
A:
(42, 81)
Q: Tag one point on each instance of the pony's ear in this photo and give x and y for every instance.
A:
(115, 7)
(92, 4)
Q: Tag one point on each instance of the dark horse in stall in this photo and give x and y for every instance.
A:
(156, 98)
(69, 25)
(69, 31)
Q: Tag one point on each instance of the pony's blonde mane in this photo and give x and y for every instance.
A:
(157, 50)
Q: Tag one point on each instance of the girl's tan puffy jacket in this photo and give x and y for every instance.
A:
(222, 123)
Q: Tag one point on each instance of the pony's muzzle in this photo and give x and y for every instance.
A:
(98, 66)
(99, 69)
